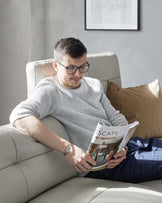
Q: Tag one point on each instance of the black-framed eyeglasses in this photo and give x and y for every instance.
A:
(71, 70)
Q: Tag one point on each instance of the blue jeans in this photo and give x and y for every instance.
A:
(143, 163)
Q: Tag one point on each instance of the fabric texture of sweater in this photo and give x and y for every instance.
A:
(79, 110)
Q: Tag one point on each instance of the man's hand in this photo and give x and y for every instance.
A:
(118, 158)
(79, 160)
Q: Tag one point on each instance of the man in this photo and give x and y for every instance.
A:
(79, 103)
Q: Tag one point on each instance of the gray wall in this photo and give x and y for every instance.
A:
(22, 39)
(139, 52)
(30, 28)
(14, 53)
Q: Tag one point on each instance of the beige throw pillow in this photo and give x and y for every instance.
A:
(142, 103)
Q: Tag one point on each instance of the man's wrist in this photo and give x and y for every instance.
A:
(68, 149)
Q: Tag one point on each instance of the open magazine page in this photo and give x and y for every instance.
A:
(108, 140)
(132, 128)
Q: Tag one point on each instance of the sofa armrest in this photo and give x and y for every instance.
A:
(25, 163)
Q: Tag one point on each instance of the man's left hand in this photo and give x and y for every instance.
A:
(118, 158)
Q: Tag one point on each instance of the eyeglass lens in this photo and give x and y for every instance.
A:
(82, 69)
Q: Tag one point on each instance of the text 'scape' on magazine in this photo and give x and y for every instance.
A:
(108, 140)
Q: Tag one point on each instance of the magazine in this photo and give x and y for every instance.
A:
(108, 140)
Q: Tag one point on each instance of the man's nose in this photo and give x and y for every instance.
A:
(77, 73)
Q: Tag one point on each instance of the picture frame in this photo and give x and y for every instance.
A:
(112, 15)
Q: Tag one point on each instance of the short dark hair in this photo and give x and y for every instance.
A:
(71, 46)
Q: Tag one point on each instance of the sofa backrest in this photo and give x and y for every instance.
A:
(103, 66)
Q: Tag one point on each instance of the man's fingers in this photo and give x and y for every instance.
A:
(79, 160)
(118, 158)
(120, 154)
(91, 161)
(86, 163)
(81, 168)
(78, 169)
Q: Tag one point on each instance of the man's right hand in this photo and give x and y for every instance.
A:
(79, 160)
(76, 156)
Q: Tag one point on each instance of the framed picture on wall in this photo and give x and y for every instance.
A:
(112, 14)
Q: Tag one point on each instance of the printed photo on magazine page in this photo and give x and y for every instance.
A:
(108, 140)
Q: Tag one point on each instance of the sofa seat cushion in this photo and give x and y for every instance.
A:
(86, 190)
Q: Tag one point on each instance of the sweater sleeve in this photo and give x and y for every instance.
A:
(40, 104)
(113, 115)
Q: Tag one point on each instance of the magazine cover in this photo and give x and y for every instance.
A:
(108, 140)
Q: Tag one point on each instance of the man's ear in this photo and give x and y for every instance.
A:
(54, 63)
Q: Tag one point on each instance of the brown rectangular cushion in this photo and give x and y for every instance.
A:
(142, 103)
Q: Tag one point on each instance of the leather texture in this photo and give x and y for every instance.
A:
(27, 167)
(87, 190)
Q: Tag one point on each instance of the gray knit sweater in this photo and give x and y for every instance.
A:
(78, 109)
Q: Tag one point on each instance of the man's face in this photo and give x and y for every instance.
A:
(71, 81)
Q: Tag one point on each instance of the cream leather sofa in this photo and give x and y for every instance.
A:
(32, 172)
